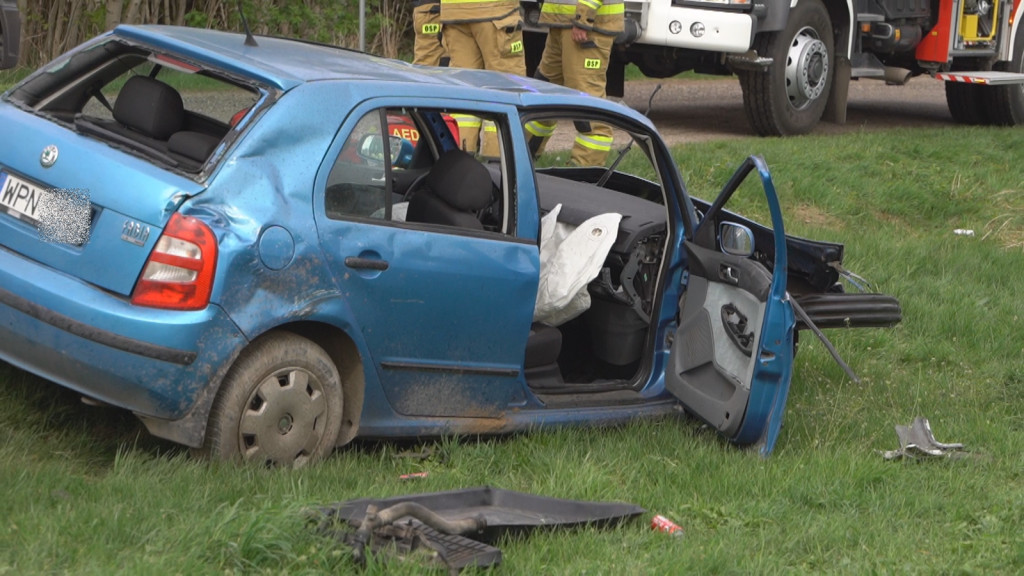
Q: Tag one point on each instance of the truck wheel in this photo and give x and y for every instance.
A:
(1006, 103)
(966, 103)
(789, 96)
(280, 405)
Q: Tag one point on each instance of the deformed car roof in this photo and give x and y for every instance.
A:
(286, 63)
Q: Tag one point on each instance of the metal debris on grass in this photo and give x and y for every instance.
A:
(918, 441)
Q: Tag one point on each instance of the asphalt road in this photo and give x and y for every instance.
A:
(700, 110)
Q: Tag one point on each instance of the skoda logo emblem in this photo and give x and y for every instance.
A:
(49, 156)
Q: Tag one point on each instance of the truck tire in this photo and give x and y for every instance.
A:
(789, 96)
(1006, 103)
(966, 103)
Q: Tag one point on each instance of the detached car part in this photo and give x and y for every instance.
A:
(404, 523)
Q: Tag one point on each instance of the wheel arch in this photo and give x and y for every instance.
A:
(841, 15)
(1016, 33)
(344, 353)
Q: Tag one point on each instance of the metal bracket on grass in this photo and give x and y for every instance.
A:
(917, 440)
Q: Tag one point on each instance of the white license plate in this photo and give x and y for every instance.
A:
(21, 199)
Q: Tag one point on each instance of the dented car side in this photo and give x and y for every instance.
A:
(270, 277)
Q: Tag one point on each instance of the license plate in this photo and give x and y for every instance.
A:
(21, 199)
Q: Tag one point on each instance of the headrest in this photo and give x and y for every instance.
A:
(149, 106)
(461, 181)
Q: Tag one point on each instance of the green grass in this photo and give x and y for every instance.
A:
(86, 491)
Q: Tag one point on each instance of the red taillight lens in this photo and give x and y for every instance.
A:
(179, 272)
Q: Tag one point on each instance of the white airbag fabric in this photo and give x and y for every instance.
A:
(569, 259)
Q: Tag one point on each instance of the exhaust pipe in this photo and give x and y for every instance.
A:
(896, 76)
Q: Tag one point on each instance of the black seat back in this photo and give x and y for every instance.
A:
(150, 107)
(457, 187)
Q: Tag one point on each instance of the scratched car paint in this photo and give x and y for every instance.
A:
(270, 278)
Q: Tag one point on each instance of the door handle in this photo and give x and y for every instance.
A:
(366, 263)
(727, 274)
(736, 329)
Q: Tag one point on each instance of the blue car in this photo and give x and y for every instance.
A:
(264, 248)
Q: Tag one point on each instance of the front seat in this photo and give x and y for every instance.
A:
(456, 189)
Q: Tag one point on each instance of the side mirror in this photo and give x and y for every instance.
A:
(736, 239)
(10, 35)
(371, 149)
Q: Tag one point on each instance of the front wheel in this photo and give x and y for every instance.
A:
(789, 96)
(280, 405)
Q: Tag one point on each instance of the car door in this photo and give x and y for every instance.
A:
(731, 359)
(444, 310)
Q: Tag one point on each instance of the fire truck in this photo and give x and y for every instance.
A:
(795, 58)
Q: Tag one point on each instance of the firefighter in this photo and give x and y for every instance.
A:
(487, 35)
(426, 20)
(579, 44)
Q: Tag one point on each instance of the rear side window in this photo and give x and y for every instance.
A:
(171, 111)
(445, 169)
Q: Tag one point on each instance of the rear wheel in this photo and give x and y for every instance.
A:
(1006, 103)
(789, 97)
(280, 405)
(966, 103)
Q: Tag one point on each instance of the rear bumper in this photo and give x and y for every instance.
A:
(156, 363)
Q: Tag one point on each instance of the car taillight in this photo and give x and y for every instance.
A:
(179, 272)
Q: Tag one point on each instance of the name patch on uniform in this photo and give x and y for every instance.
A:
(592, 63)
(516, 47)
(432, 29)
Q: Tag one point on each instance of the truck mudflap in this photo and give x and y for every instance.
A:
(849, 310)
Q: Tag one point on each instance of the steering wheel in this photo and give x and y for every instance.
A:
(415, 185)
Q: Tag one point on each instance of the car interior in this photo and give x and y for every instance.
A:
(598, 350)
(129, 98)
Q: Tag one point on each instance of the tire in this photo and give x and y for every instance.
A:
(280, 405)
(1006, 103)
(966, 103)
(789, 96)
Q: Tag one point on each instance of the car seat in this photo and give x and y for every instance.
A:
(457, 187)
(149, 107)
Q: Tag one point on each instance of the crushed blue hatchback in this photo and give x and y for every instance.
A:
(266, 249)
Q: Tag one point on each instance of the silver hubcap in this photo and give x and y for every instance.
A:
(807, 68)
(284, 420)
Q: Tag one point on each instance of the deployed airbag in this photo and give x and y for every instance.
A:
(570, 257)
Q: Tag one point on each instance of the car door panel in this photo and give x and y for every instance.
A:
(720, 326)
(445, 310)
(731, 360)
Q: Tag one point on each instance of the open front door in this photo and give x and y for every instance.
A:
(732, 356)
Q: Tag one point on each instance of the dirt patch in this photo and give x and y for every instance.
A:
(702, 110)
(813, 216)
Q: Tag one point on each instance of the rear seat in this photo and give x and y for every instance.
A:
(149, 111)
(152, 113)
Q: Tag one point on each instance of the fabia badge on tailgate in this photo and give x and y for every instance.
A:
(134, 232)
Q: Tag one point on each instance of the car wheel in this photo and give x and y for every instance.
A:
(280, 405)
(789, 97)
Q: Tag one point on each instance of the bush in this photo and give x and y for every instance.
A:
(50, 27)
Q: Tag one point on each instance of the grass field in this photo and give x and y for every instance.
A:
(86, 491)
